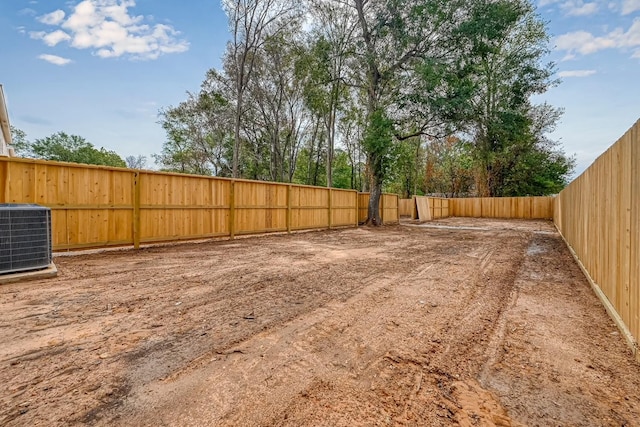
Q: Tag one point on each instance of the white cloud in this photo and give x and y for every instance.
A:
(577, 73)
(573, 7)
(585, 43)
(53, 18)
(579, 8)
(54, 59)
(50, 39)
(630, 6)
(107, 28)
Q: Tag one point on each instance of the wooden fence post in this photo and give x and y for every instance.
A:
(232, 210)
(330, 208)
(357, 209)
(136, 210)
(289, 201)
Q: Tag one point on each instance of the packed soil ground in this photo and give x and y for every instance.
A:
(459, 322)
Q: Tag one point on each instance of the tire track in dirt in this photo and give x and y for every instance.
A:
(396, 326)
(330, 351)
(540, 364)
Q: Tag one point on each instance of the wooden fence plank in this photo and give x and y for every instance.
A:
(502, 207)
(598, 215)
(101, 206)
(634, 233)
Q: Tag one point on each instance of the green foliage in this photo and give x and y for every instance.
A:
(310, 168)
(378, 144)
(405, 174)
(512, 155)
(342, 170)
(538, 172)
(395, 83)
(19, 142)
(449, 168)
(199, 138)
(62, 147)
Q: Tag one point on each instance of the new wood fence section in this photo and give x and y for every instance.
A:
(439, 207)
(503, 207)
(94, 206)
(599, 216)
(389, 212)
(406, 207)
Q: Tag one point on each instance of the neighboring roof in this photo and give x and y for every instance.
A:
(4, 119)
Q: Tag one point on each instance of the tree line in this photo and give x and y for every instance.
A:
(409, 96)
(64, 147)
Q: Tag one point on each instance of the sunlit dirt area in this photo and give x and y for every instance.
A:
(459, 322)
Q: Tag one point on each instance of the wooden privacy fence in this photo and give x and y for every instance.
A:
(94, 206)
(438, 207)
(598, 214)
(388, 208)
(406, 207)
(503, 207)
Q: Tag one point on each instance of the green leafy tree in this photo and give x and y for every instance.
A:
(342, 170)
(449, 169)
(323, 67)
(199, 131)
(406, 172)
(62, 147)
(20, 143)
(251, 22)
(508, 43)
(408, 68)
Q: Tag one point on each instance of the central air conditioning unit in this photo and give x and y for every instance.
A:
(25, 238)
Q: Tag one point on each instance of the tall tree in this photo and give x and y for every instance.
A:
(276, 110)
(325, 67)
(251, 22)
(198, 131)
(400, 42)
(19, 142)
(508, 43)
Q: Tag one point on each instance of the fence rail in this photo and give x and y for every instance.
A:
(598, 214)
(95, 206)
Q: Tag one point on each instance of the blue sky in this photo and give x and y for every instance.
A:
(102, 68)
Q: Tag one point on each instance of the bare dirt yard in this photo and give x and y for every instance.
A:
(478, 322)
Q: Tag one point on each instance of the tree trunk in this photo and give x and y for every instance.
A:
(374, 203)
(236, 142)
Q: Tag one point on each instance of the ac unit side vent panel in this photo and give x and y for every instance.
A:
(25, 238)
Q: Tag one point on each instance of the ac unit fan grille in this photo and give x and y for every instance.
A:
(25, 238)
